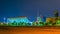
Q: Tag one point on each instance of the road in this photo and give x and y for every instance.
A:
(29, 30)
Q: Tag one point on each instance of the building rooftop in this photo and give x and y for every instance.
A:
(17, 17)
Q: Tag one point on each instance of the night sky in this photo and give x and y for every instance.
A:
(29, 8)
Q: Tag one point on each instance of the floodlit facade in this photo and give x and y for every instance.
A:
(53, 19)
(18, 19)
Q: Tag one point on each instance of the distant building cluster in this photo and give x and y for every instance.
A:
(41, 21)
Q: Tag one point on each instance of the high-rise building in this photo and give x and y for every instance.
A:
(56, 13)
(53, 19)
(39, 19)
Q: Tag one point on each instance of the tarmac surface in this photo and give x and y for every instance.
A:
(29, 30)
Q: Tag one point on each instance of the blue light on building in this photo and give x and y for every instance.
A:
(18, 20)
(44, 19)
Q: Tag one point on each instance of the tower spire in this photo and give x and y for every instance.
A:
(38, 14)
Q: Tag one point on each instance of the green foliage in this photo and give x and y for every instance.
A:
(33, 24)
(41, 24)
(38, 24)
(48, 24)
(1, 24)
(22, 24)
(12, 24)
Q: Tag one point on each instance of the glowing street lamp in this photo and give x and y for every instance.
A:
(4, 19)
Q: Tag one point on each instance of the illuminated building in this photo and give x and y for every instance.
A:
(48, 20)
(18, 19)
(41, 19)
(53, 19)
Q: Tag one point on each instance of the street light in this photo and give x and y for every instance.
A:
(4, 19)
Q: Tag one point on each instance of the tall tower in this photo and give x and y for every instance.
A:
(39, 16)
(56, 13)
(56, 16)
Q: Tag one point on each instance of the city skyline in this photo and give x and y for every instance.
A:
(29, 8)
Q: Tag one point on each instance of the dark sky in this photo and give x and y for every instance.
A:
(29, 8)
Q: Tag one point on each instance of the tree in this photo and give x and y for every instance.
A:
(14, 23)
(22, 24)
(28, 24)
(41, 24)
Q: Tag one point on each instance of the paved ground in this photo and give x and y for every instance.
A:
(29, 30)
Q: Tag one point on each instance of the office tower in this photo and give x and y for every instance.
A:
(56, 13)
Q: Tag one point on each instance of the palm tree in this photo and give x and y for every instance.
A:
(28, 24)
(57, 23)
(41, 23)
(14, 23)
(48, 24)
(33, 23)
(22, 24)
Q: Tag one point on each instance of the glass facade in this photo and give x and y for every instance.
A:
(18, 20)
